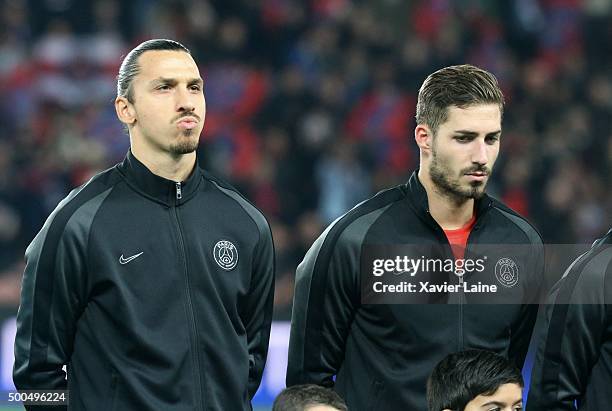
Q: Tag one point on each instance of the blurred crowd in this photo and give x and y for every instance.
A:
(310, 104)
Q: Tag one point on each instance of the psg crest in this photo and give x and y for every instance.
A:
(506, 272)
(226, 254)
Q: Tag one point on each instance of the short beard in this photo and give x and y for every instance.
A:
(442, 179)
(185, 145)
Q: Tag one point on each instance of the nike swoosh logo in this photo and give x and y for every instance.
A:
(123, 260)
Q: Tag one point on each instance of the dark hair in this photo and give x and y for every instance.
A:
(130, 68)
(463, 376)
(460, 86)
(298, 397)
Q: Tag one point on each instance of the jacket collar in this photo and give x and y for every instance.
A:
(158, 188)
(418, 196)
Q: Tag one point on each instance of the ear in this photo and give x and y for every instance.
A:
(125, 111)
(423, 137)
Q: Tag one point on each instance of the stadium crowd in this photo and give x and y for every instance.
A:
(310, 105)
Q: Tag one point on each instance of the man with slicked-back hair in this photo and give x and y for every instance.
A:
(153, 282)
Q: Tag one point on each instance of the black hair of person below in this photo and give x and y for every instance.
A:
(299, 397)
(462, 376)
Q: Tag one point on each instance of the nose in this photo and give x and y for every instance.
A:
(184, 101)
(480, 155)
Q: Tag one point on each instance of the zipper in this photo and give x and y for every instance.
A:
(462, 296)
(444, 239)
(460, 336)
(179, 191)
(461, 302)
(375, 396)
(114, 389)
(190, 310)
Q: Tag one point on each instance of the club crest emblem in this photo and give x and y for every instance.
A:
(225, 254)
(506, 272)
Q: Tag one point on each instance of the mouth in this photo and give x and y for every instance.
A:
(477, 175)
(187, 122)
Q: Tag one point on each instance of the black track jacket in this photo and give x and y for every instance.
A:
(382, 354)
(156, 295)
(574, 355)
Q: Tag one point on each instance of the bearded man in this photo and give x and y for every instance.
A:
(378, 355)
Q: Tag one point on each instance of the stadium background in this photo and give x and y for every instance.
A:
(310, 110)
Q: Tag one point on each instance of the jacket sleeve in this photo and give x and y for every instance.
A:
(521, 331)
(573, 325)
(326, 297)
(52, 299)
(257, 313)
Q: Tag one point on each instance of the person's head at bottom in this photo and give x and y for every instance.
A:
(308, 397)
(475, 380)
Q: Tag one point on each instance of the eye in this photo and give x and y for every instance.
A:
(492, 139)
(463, 139)
(163, 87)
(195, 87)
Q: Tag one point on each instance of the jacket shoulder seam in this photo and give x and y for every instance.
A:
(247, 206)
(79, 194)
(505, 210)
(339, 226)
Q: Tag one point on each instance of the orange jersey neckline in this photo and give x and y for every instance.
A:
(459, 236)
